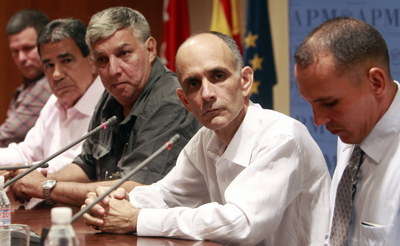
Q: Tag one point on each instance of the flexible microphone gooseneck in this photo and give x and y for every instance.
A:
(2, 168)
(166, 146)
(104, 125)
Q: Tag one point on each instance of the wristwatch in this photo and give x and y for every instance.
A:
(47, 187)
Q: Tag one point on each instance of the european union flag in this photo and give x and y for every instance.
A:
(258, 52)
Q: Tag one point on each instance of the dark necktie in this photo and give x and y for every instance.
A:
(344, 200)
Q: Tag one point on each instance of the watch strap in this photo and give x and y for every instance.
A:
(47, 187)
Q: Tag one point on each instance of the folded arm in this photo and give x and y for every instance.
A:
(71, 188)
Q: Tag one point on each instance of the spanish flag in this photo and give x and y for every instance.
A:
(176, 30)
(225, 19)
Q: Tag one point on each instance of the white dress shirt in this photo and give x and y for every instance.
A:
(375, 214)
(55, 129)
(270, 186)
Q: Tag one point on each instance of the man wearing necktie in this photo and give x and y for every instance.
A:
(343, 70)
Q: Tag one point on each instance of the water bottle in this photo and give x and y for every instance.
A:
(5, 216)
(61, 232)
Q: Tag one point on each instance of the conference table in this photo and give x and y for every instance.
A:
(39, 217)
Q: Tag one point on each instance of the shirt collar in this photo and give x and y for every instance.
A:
(384, 132)
(240, 148)
(157, 70)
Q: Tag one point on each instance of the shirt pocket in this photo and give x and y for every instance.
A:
(376, 235)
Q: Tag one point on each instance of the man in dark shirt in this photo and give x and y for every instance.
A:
(155, 117)
(29, 98)
(141, 92)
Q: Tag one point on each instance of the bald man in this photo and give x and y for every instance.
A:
(249, 176)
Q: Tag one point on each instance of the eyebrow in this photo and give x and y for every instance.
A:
(218, 69)
(322, 99)
(67, 54)
(119, 47)
(46, 61)
(211, 71)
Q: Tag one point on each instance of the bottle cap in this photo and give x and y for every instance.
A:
(1, 182)
(61, 215)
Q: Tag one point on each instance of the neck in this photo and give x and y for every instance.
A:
(388, 99)
(65, 105)
(27, 82)
(226, 134)
(127, 110)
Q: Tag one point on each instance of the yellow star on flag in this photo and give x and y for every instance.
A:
(256, 62)
(254, 88)
(250, 40)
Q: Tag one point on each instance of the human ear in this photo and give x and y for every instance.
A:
(183, 99)
(151, 47)
(247, 78)
(378, 81)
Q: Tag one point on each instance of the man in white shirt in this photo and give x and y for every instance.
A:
(66, 115)
(342, 70)
(249, 176)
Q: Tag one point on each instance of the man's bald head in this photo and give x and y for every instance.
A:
(237, 59)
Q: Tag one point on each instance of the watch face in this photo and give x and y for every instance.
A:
(49, 183)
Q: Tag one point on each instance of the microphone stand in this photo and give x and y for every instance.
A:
(104, 125)
(167, 145)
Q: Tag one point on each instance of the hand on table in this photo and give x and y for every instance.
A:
(31, 185)
(114, 214)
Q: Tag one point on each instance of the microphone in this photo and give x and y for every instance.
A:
(20, 167)
(166, 146)
(104, 125)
